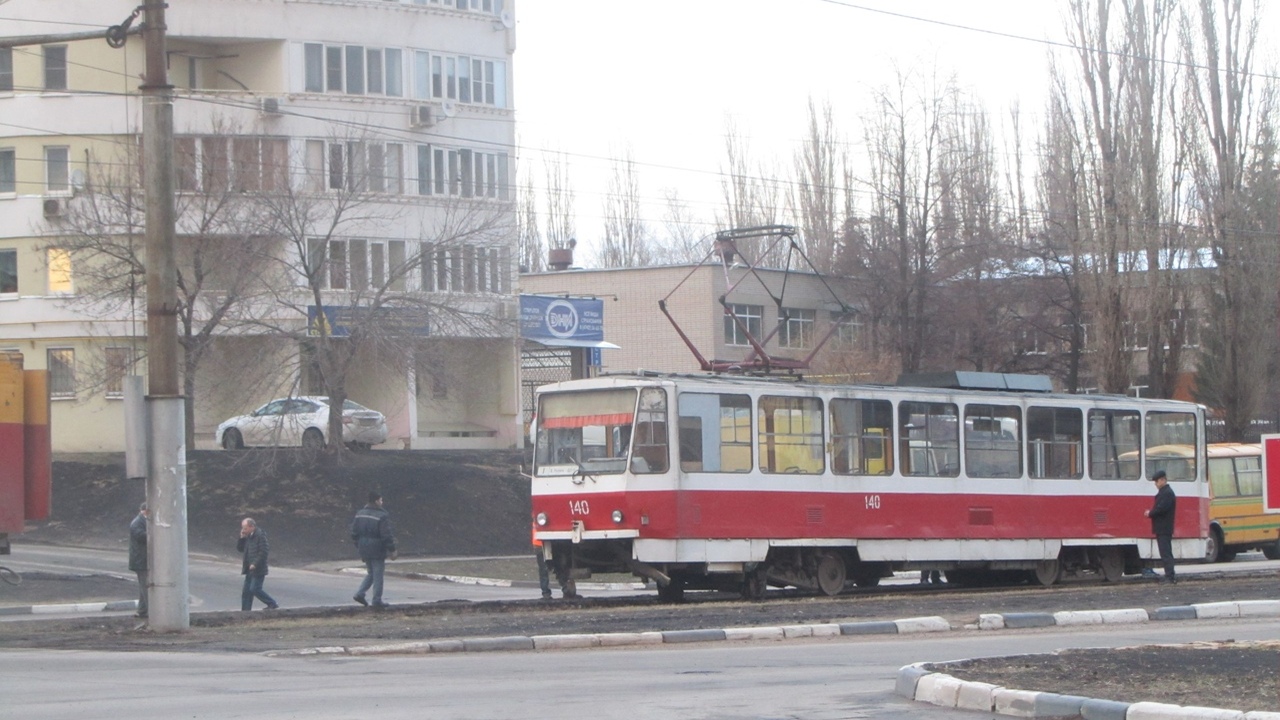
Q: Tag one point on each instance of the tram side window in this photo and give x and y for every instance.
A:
(650, 451)
(715, 432)
(1055, 443)
(1222, 477)
(790, 435)
(929, 437)
(861, 437)
(993, 441)
(1112, 434)
(1171, 445)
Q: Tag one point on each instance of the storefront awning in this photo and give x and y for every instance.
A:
(571, 343)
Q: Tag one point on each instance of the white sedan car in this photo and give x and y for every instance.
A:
(301, 421)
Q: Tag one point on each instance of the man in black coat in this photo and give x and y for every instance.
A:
(138, 556)
(253, 543)
(372, 533)
(1162, 513)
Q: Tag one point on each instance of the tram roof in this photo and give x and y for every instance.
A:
(624, 378)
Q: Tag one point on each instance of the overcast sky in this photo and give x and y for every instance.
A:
(663, 78)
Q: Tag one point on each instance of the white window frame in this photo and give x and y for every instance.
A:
(11, 252)
(51, 164)
(49, 71)
(6, 70)
(9, 162)
(797, 331)
(59, 261)
(749, 314)
(114, 372)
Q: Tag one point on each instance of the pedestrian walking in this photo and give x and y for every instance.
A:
(374, 537)
(1162, 513)
(138, 556)
(544, 575)
(253, 543)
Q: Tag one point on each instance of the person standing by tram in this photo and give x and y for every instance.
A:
(544, 575)
(1162, 514)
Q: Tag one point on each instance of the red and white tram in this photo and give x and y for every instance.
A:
(712, 481)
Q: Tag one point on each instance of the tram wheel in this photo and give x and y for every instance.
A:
(755, 583)
(831, 574)
(1048, 572)
(1111, 563)
(672, 592)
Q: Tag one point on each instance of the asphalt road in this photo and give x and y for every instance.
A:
(820, 679)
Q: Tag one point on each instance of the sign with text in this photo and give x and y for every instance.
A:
(1271, 473)
(561, 318)
(339, 320)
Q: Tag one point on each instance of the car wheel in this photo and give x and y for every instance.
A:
(312, 439)
(231, 440)
(1272, 551)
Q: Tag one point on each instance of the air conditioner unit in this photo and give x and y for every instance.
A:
(422, 116)
(271, 106)
(54, 207)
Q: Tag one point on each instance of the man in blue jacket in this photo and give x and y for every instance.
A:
(371, 532)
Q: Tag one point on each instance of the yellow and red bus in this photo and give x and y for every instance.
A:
(1236, 520)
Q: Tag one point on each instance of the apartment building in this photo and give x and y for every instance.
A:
(385, 128)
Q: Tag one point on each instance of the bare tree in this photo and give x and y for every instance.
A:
(219, 221)
(684, 243)
(752, 198)
(1232, 135)
(345, 300)
(533, 249)
(560, 227)
(820, 166)
(626, 241)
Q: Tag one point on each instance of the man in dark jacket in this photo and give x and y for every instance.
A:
(253, 543)
(1162, 514)
(371, 532)
(138, 556)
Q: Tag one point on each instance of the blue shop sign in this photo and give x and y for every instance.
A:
(561, 321)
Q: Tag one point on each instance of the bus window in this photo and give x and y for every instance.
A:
(930, 439)
(715, 432)
(790, 435)
(1172, 429)
(650, 452)
(993, 441)
(861, 437)
(1055, 443)
(1222, 477)
(1113, 433)
(1249, 475)
(587, 431)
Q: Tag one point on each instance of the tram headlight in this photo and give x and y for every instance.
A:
(617, 517)
(541, 519)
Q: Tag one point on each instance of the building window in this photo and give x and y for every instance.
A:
(6, 69)
(59, 262)
(8, 272)
(797, 328)
(748, 322)
(119, 363)
(243, 164)
(55, 67)
(62, 373)
(848, 328)
(8, 170)
(353, 69)
(57, 171)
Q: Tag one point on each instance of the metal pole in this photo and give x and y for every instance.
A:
(166, 436)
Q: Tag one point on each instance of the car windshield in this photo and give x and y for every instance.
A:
(346, 404)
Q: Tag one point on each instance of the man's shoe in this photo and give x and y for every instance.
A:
(272, 607)
(378, 604)
(360, 599)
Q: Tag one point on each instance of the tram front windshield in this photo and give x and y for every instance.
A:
(584, 432)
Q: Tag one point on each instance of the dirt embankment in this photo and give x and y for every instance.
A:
(442, 502)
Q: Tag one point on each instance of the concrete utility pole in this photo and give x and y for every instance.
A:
(166, 436)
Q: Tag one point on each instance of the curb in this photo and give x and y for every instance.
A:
(938, 688)
(63, 608)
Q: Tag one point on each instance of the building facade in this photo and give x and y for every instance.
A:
(334, 159)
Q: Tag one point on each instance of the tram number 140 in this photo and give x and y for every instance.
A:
(580, 507)
(872, 502)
